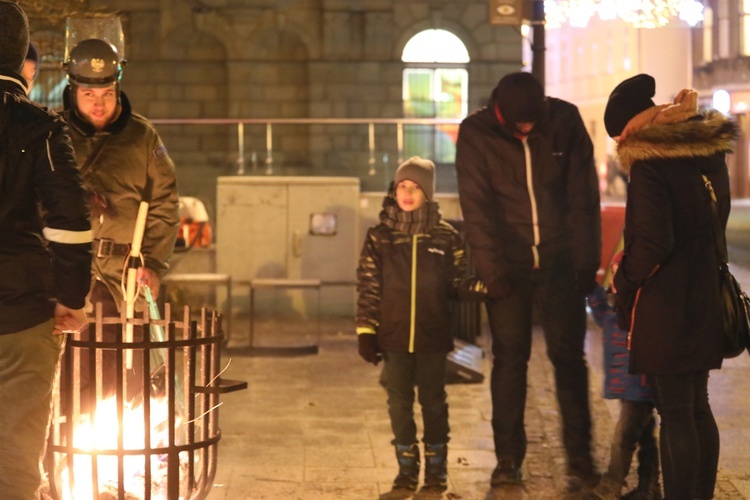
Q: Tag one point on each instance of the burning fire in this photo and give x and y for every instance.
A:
(102, 434)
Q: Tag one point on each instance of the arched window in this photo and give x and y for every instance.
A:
(435, 46)
(435, 85)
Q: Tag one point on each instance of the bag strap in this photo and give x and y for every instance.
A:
(719, 236)
(3, 141)
(91, 160)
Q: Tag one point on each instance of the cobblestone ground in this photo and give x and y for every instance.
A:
(316, 426)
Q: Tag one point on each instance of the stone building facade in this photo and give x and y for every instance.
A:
(721, 62)
(311, 59)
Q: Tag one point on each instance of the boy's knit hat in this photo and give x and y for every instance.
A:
(14, 36)
(520, 98)
(32, 54)
(419, 170)
(628, 99)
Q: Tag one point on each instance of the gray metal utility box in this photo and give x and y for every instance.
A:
(294, 228)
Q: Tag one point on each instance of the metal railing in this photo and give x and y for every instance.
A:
(269, 123)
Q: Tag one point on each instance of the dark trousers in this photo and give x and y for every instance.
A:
(562, 315)
(635, 427)
(28, 360)
(689, 439)
(427, 371)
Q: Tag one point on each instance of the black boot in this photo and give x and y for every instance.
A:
(582, 475)
(436, 466)
(408, 467)
(648, 480)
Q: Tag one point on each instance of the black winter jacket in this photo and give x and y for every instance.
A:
(528, 203)
(667, 283)
(405, 282)
(43, 259)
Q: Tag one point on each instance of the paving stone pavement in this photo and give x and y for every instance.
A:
(316, 426)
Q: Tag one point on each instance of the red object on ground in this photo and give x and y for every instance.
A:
(613, 223)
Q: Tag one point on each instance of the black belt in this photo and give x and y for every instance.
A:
(106, 247)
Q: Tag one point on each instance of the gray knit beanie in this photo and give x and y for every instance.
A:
(14, 36)
(419, 170)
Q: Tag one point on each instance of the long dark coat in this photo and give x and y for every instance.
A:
(667, 284)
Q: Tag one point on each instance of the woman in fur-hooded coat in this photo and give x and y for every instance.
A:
(667, 283)
(667, 291)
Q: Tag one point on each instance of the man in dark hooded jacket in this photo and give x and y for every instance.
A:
(529, 195)
(44, 261)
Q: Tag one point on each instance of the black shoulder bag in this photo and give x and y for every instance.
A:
(735, 305)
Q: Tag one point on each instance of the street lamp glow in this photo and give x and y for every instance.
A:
(721, 101)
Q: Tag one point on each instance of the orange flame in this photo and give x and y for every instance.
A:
(102, 435)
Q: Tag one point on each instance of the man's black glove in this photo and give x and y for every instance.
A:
(369, 349)
(585, 281)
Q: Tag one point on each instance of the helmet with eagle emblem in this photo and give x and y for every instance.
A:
(93, 63)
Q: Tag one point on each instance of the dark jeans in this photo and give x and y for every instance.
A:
(562, 315)
(689, 439)
(427, 371)
(635, 427)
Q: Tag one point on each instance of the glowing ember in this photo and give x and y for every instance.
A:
(102, 435)
(162, 447)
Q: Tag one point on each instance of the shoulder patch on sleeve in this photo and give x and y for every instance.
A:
(160, 152)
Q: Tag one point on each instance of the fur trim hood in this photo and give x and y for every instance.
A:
(708, 133)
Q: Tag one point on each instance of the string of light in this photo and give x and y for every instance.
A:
(639, 13)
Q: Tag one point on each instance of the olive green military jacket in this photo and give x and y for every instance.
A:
(121, 166)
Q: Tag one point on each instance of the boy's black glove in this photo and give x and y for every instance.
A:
(369, 349)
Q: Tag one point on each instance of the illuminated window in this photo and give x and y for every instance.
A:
(435, 85)
(49, 86)
(722, 21)
(708, 35)
(50, 81)
(745, 27)
(435, 46)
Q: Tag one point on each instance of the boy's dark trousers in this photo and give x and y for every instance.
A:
(427, 371)
(635, 427)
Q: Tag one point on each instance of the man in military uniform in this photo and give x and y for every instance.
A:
(122, 161)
